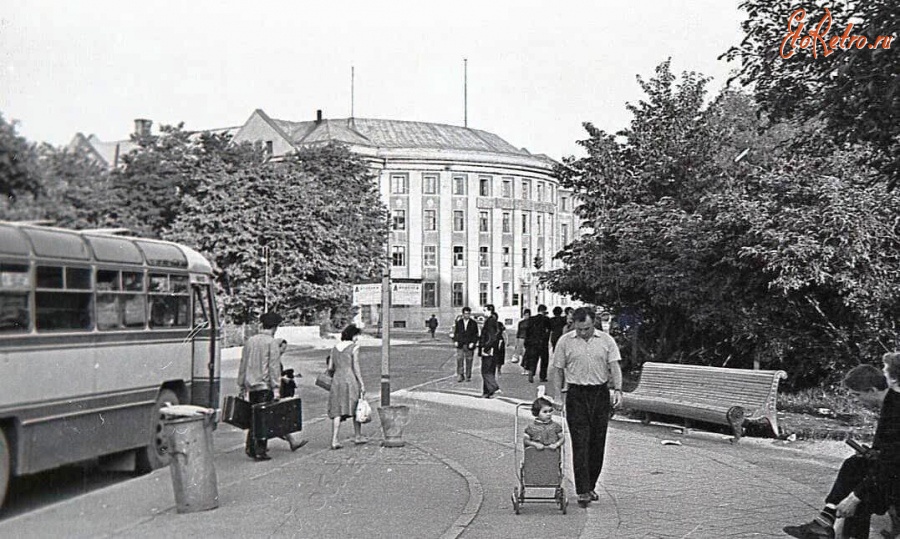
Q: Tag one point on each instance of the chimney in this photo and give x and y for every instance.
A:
(318, 116)
(142, 127)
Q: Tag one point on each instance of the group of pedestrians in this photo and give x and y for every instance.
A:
(489, 341)
(262, 378)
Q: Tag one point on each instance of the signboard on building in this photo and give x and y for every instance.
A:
(403, 292)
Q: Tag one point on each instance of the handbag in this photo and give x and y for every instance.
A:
(363, 411)
(324, 381)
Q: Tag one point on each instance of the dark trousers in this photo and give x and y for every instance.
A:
(489, 375)
(587, 414)
(852, 472)
(537, 358)
(256, 445)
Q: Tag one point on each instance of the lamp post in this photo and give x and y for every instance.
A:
(266, 279)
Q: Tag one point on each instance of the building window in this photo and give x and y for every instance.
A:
(540, 224)
(459, 256)
(430, 184)
(564, 203)
(526, 219)
(540, 191)
(506, 257)
(399, 184)
(459, 296)
(429, 256)
(526, 190)
(539, 259)
(484, 221)
(269, 147)
(429, 294)
(525, 261)
(459, 185)
(398, 218)
(483, 294)
(430, 220)
(507, 223)
(507, 187)
(484, 257)
(484, 186)
(398, 255)
(506, 294)
(564, 233)
(459, 221)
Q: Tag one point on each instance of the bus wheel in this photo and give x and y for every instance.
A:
(156, 454)
(4, 466)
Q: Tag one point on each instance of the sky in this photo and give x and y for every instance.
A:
(535, 70)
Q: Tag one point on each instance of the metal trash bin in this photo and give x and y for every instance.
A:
(190, 443)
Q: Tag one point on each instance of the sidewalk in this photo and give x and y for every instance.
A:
(455, 478)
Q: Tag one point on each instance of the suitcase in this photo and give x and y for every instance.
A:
(237, 412)
(278, 418)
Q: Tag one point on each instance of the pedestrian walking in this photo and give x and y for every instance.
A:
(570, 325)
(500, 353)
(521, 330)
(465, 333)
(347, 385)
(432, 324)
(537, 343)
(868, 482)
(487, 349)
(586, 362)
(557, 324)
(259, 376)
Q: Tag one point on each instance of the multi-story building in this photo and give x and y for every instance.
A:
(472, 216)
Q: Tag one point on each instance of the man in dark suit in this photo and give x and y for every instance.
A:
(537, 345)
(465, 333)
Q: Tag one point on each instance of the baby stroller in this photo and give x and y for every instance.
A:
(537, 469)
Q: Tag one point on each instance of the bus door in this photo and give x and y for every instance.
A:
(205, 344)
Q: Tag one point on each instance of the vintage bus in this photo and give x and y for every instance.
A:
(97, 333)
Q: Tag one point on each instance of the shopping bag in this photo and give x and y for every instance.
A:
(363, 411)
(324, 381)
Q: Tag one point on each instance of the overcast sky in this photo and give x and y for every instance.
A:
(536, 69)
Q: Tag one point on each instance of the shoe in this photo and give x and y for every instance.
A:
(361, 440)
(336, 446)
(469, 379)
(584, 500)
(486, 396)
(810, 530)
(261, 457)
(594, 496)
(460, 379)
(543, 379)
(297, 445)
(530, 378)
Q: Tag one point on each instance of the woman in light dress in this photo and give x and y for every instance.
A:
(346, 386)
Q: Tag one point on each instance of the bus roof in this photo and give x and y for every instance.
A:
(27, 239)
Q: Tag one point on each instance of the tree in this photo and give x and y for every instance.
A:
(319, 214)
(855, 92)
(19, 173)
(732, 245)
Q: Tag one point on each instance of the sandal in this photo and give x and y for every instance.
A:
(361, 441)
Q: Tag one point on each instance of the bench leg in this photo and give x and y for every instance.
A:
(645, 419)
(773, 422)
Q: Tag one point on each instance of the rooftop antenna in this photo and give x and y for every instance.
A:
(352, 100)
(465, 92)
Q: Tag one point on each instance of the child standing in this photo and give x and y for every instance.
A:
(544, 432)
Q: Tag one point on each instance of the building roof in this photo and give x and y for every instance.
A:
(391, 134)
(110, 153)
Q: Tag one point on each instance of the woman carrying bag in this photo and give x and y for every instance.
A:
(346, 386)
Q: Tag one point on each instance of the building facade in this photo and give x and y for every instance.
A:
(472, 216)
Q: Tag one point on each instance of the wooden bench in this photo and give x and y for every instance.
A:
(712, 394)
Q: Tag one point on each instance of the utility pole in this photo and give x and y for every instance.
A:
(266, 279)
(386, 328)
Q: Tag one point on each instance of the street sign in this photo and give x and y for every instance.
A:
(406, 293)
(402, 293)
(367, 294)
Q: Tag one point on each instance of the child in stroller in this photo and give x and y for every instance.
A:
(543, 432)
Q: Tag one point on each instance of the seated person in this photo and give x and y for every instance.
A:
(868, 482)
(543, 432)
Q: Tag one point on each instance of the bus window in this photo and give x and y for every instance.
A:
(56, 305)
(117, 309)
(168, 301)
(14, 285)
